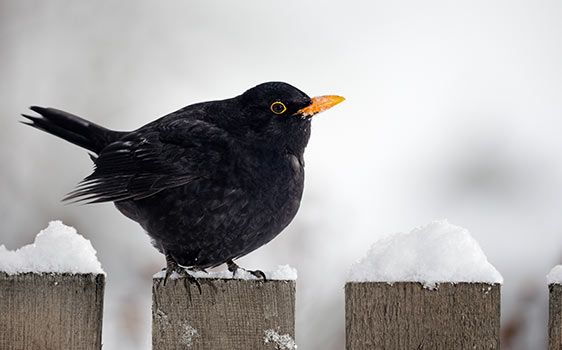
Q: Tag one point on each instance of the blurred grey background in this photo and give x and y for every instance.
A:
(453, 111)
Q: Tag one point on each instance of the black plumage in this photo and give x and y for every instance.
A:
(210, 182)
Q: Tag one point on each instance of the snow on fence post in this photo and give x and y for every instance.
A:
(430, 289)
(554, 280)
(226, 313)
(51, 293)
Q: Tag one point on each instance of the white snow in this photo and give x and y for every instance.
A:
(188, 334)
(435, 253)
(282, 273)
(555, 275)
(282, 342)
(58, 248)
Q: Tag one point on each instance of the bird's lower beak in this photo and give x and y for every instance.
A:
(319, 104)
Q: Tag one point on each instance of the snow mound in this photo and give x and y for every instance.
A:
(282, 342)
(282, 273)
(555, 275)
(435, 253)
(58, 248)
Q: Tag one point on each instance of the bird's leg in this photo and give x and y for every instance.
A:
(173, 266)
(233, 267)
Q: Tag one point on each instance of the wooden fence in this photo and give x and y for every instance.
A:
(555, 317)
(221, 313)
(51, 311)
(63, 311)
(408, 316)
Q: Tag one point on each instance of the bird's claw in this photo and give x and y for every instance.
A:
(258, 273)
(172, 266)
(233, 267)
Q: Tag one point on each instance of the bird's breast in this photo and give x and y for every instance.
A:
(274, 182)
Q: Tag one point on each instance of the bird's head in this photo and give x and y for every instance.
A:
(282, 100)
(280, 113)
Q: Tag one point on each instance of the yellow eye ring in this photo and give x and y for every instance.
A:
(278, 107)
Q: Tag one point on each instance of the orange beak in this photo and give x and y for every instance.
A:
(319, 104)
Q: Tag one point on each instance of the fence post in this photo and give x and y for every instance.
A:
(227, 314)
(51, 311)
(555, 316)
(405, 315)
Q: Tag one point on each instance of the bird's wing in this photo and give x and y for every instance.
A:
(146, 162)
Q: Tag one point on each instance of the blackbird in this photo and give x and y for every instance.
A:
(210, 182)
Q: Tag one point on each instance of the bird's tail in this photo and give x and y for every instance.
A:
(72, 128)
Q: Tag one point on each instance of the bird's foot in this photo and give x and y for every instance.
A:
(258, 273)
(172, 266)
(233, 267)
(197, 269)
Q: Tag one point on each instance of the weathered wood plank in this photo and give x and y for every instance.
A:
(406, 315)
(555, 317)
(228, 314)
(51, 311)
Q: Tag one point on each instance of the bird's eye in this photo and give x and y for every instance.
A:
(278, 107)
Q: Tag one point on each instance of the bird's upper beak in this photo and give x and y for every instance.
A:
(319, 104)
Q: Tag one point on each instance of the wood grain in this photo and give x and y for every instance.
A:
(555, 317)
(51, 311)
(227, 314)
(407, 316)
